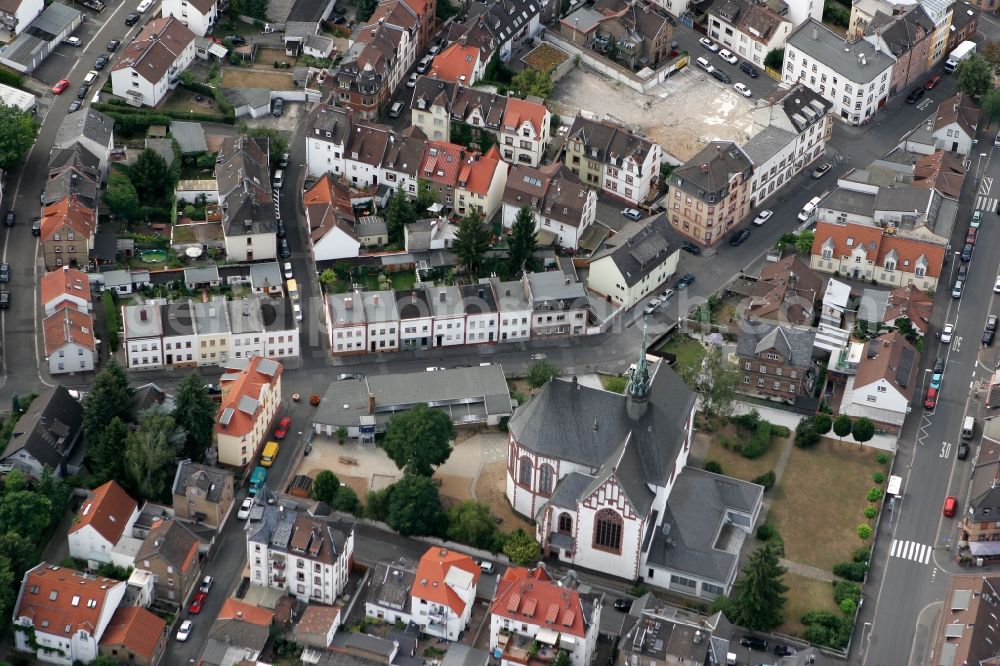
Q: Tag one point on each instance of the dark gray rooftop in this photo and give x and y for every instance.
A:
(569, 490)
(708, 172)
(849, 201)
(795, 345)
(210, 479)
(177, 318)
(825, 46)
(639, 249)
(389, 585)
(85, 123)
(766, 144)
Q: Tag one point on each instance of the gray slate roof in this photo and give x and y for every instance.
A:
(570, 421)
(766, 144)
(49, 429)
(569, 490)
(189, 136)
(85, 123)
(642, 252)
(825, 46)
(211, 479)
(848, 201)
(697, 512)
(795, 345)
(171, 540)
(709, 171)
(389, 585)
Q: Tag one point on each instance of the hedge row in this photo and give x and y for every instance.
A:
(10, 78)
(144, 118)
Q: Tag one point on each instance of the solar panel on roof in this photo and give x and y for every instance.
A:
(905, 366)
(227, 416)
(247, 405)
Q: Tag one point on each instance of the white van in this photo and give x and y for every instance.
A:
(809, 210)
(395, 109)
(279, 179)
(968, 427)
(704, 64)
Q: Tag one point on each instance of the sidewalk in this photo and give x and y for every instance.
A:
(791, 420)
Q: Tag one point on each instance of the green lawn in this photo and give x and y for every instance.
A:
(734, 464)
(403, 280)
(688, 351)
(804, 595)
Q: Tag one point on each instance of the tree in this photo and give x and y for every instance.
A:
(14, 481)
(120, 195)
(717, 385)
(472, 240)
(774, 59)
(991, 105)
(325, 487)
(975, 77)
(531, 82)
(7, 578)
(102, 660)
(990, 52)
(56, 491)
(25, 512)
(17, 132)
(842, 426)
(365, 9)
(328, 279)
(345, 500)
(805, 434)
(521, 548)
(863, 430)
(522, 240)
(398, 214)
(822, 423)
(149, 453)
(414, 508)
(19, 551)
(150, 174)
(426, 196)
(194, 412)
(470, 523)
(277, 145)
(562, 659)
(540, 373)
(419, 439)
(758, 599)
(109, 396)
(105, 454)
(804, 242)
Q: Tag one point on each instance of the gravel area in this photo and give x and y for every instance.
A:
(490, 489)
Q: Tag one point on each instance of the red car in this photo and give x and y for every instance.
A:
(931, 400)
(60, 85)
(930, 83)
(283, 425)
(950, 507)
(197, 602)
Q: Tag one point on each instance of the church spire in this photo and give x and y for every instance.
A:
(638, 374)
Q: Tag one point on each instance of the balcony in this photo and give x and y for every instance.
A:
(526, 650)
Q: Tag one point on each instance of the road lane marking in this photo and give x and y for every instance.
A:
(911, 550)
(945, 449)
(989, 204)
(987, 183)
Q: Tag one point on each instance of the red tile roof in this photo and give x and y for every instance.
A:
(520, 111)
(529, 596)
(441, 162)
(245, 384)
(107, 510)
(847, 237)
(66, 325)
(61, 601)
(138, 630)
(456, 63)
(477, 174)
(328, 205)
(236, 609)
(68, 212)
(432, 571)
(68, 281)
(909, 302)
(908, 251)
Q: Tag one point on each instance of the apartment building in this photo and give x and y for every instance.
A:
(748, 29)
(249, 215)
(613, 159)
(709, 195)
(198, 15)
(251, 396)
(151, 65)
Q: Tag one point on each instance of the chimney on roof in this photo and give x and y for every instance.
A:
(815, 32)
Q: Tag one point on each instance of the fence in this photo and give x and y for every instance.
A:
(614, 71)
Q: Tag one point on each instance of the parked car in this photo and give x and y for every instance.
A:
(632, 213)
(348, 375)
(685, 280)
(690, 248)
(113, 45)
(709, 44)
(996, 286)
(236, 40)
(72, 41)
(281, 431)
(742, 89)
(424, 64)
(967, 252)
(5, 272)
(821, 170)
(623, 605)
(101, 62)
(245, 508)
(939, 365)
(754, 643)
(132, 19)
(81, 94)
(956, 291)
(213, 389)
(749, 70)
(963, 450)
(143, 6)
(283, 250)
(704, 64)
(486, 566)
(90, 77)
(288, 270)
(666, 294)
(762, 217)
(970, 236)
(936, 378)
(963, 272)
(278, 107)
(721, 76)
(36, 223)
(932, 82)
(651, 308)
(197, 603)
(206, 584)
(990, 330)
(977, 219)
(412, 81)
(950, 507)
(739, 237)
(782, 650)
(185, 630)
(10, 219)
(60, 86)
(930, 400)
(728, 56)
(281, 228)
(914, 95)
(947, 333)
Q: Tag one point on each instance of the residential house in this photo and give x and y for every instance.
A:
(864, 12)
(524, 134)
(431, 106)
(776, 361)
(561, 206)
(329, 127)
(634, 262)
(980, 527)
(70, 345)
(170, 553)
(371, 69)
(92, 130)
(482, 317)
(67, 287)
(202, 494)
(249, 219)
(365, 147)
(748, 29)
(710, 194)
(348, 328)
(251, 396)
(135, 636)
(240, 633)
(46, 435)
(67, 234)
(794, 135)
(911, 304)
(73, 171)
(107, 514)
(941, 171)
(401, 165)
(388, 594)
(65, 613)
(496, 26)
(198, 15)
(260, 326)
(855, 78)
(381, 318)
(614, 159)
(559, 305)
(16, 15)
(884, 383)
(443, 593)
(458, 63)
(330, 216)
(514, 309)
(440, 166)
(964, 24)
(787, 292)
(867, 252)
(666, 634)
(637, 35)
(534, 617)
(966, 633)
(306, 555)
(908, 39)
(448, 311)
(956, 124)
(317, 626)
(480, 184)
(150, 66)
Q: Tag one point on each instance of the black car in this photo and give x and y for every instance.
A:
(967, 252)
(686, 279)
(990, 331)
(749, 70)
(101, 61)
(939, 365)
(82, 92)
(782, 650)
(113, 45)
(688, 246)
(339, 20)
(739, 237)
(236, 40)
(623, 605)
(74, 106)
(281, 228)
(278, 107)
(963, 272)
(915, 95)
(283, 250)
(5, 272)
(963, 451)
(213, 389)
(132, 19)
(10, 218)
(4, 300)
(754, 643)
(36, 224)
(721, 76)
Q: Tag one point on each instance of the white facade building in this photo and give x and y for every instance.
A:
(150, 66)
(106, 516)
(329, 128)
(198, 15)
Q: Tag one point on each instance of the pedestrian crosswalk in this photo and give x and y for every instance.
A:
(911, 550)
(987, 204)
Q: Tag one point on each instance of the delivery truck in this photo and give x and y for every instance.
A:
(962, 52)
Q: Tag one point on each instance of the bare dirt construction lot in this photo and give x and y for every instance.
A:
(245, 77)
(665, 115)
